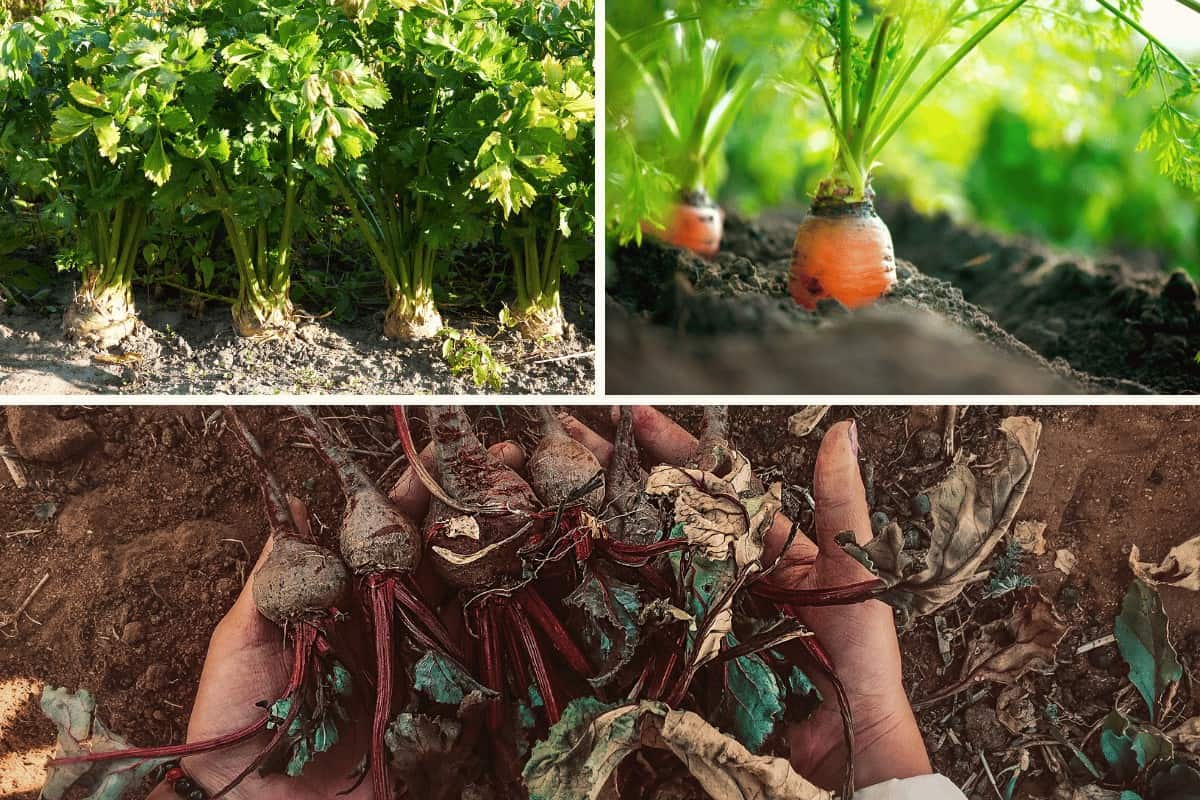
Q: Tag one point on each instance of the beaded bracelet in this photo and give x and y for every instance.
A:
(184, 786)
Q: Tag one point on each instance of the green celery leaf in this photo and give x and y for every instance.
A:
(87, 95)
(69, 122)
(156, 164)
(108, 135)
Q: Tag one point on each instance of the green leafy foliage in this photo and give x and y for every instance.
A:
(1141, 631)
(468, 353)
(237, 125)
(442, 680)
(1130, 749)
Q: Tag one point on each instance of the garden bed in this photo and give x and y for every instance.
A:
(128, 484)
(175, 353)
(972, 312)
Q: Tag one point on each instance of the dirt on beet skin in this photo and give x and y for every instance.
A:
(971, 312)
(147, 520)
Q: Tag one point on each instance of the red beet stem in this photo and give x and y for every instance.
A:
(306, 636)
(302, 648)
(166, 751)
(540, 613)
(278, 512)
(411, 601)
(634, 555)
(541, 676)
(832, 596)
(817, 651)
(383, 598)
(491, 666)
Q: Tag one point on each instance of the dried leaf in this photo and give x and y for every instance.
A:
(970, 516)
(612, 609)
(429, 756)
(1187, 736)
(1142, 637)
(1015, 710)
(464, 526)
(1181, 567)
(1030, 536)
(80, 732)
(1065, 561)
(805, 421)
(1006, 650)
(585, 747)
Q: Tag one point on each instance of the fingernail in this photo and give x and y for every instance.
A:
(853, 434)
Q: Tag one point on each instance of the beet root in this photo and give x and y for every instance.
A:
(299, 579)
(377, 537)
(560, 466)
(477, 550)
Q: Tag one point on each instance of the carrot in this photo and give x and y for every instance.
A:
(843, 251)
(697, 224)
(383, 546)
(561, 469)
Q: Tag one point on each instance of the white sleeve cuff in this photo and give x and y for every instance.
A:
(922, 787)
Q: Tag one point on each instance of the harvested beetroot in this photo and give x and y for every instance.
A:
(561, 469)
(382, 545)
(474, 541)
(298, 588)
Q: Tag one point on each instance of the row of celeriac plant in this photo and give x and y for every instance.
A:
(431, 124)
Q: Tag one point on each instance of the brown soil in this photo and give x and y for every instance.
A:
(148, 530)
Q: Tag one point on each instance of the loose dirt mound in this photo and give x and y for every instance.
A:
(963, 299)
(147, 533)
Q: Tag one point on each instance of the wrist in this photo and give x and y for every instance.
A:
(892, 750)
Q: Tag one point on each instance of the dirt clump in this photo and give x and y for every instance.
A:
(40, 433)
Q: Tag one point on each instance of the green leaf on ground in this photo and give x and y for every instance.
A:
(1130, 748)
(1141, 631)
(80, 732)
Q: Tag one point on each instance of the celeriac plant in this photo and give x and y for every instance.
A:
(290, 102)
(410, 196)
(536, 165)
(93, 92)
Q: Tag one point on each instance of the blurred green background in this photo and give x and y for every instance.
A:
(1035, 133)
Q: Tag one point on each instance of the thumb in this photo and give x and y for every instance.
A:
(838, 490)
(243, 626)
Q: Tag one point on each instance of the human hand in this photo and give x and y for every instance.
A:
(859, 638)
(248, 661)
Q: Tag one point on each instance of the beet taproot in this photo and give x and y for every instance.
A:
(560, 467)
